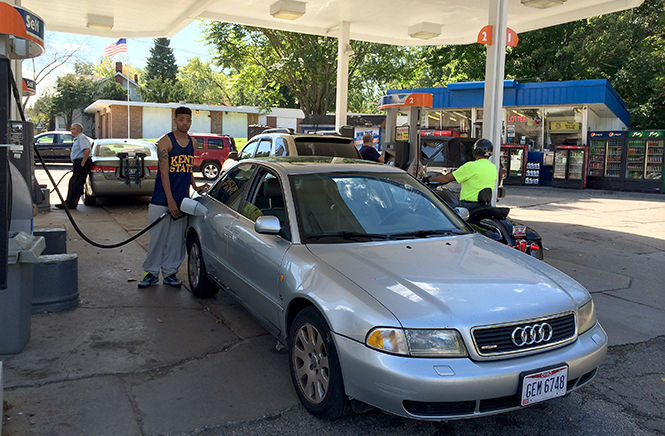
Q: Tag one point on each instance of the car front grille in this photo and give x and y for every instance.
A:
(498, 339)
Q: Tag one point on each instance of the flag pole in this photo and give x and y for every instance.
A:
(129, 132)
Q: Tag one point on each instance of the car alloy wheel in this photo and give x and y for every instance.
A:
(315, 369)
(311, 363)
(210, 170)
(199, 283)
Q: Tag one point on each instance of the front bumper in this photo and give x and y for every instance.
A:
(436, 389)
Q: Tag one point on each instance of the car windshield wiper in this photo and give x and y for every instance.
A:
(426, 233)
(349, 236)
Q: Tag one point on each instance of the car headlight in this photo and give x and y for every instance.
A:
(417, 342)
(586, 317)
(435, 343)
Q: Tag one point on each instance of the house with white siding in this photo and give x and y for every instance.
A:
(152, 120)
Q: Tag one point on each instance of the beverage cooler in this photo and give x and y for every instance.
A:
(513, 163)
(645, 151)
(605, 160)
(570, 162)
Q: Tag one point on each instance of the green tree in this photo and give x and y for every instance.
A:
(200, 83)
(278, 68)
(72, 92)
(161, 62)
(110, 90)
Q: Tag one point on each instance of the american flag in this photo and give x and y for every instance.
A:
(119, 46)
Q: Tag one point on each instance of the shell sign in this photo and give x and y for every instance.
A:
(26, 28)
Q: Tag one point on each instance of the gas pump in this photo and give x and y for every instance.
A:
(21, 37)
(402, 143)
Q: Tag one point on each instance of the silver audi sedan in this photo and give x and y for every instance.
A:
(384, 295)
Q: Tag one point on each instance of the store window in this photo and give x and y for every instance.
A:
(563, 126)
(525, 127)
(454, 120)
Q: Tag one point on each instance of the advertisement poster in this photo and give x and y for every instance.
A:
(402, 133)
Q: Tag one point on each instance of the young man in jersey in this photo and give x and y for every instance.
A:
(166, 249)
(474, 176)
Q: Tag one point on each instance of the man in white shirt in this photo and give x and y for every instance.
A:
(80, 156)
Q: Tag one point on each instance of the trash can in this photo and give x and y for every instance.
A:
(55, 283)
(16, 300)
(56, 240)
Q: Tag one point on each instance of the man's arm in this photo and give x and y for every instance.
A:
(163, 149)
(443, 178)
(193, 182)
(86, 155)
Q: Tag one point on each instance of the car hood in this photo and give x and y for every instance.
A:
(453, 282)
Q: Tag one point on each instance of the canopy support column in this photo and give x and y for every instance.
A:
(341, 100)
(494, 74)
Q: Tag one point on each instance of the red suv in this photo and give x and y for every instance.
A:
(211, 152)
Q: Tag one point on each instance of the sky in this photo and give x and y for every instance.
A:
(186, 45)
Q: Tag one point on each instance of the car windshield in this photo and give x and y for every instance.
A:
(357, 207)
(112, 150)
(341, 147)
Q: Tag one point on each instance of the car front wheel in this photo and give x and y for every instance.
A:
(315, 369)
(199, 283)
(210, 169)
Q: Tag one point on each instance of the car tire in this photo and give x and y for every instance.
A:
(314, 366)
(210, 169)
(88, 198)
(199, 283)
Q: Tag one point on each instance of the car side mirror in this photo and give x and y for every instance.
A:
(233, 155)
(268, 225)
(193, 207)
(463, 213)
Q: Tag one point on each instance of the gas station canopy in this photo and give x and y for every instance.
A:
(421, 22)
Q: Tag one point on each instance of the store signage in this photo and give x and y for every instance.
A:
(607, 134)
(422, 99)
(29, 87)
(23, 25)
(518, 119)
(432, 132)
(402, 133)
(565, 125)
(647, 134)
(485, 36)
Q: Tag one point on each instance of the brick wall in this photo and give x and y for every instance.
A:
(216, 122)
(136, 121)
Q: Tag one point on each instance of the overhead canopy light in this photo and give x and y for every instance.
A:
(287, 9)
(542, 4)
(99, 22)
(425, 30)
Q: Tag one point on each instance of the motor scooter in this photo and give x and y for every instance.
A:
(492, 222)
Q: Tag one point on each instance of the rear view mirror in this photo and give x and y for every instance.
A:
(193, 207)
(463, 213)
(233, 155)
(268, 225)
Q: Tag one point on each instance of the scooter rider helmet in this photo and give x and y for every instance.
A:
(483, 147)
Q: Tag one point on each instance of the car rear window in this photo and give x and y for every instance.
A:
(112, 150)
(341, 147)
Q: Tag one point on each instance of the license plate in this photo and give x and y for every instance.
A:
(544, 385)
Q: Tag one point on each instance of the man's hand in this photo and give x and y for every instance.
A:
(82, 163)
(173, 208)
(201, 188)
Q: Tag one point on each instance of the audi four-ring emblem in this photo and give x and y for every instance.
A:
(532, 334)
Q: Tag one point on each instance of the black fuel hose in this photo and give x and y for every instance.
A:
(62, 201)
(63, 176)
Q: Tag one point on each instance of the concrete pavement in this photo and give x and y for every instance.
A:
(158, 361)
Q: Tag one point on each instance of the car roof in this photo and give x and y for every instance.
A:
(211, 135)
(127, 141)
(301, 135)
(295, 165)
(51, 132)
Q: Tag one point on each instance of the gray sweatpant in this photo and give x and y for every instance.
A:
(166, 249)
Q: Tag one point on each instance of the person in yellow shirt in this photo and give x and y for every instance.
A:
(474, 176)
